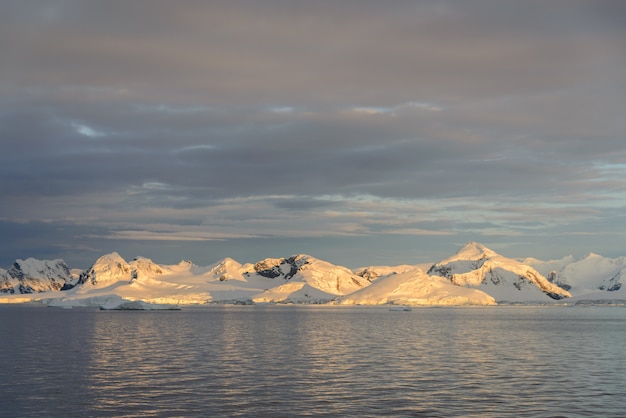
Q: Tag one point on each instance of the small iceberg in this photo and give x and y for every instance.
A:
(139, 305)
(400, 309)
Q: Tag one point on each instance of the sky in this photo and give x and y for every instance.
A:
(360, 132)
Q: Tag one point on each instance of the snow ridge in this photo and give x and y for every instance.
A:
(591, 274)
(414, 287)
(474, 275)
(33, 276)
(506, 279)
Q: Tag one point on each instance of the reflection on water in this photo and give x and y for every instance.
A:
(294, 361)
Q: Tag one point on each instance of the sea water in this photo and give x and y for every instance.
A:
(313, 361)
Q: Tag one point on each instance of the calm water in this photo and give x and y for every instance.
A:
(317, 361)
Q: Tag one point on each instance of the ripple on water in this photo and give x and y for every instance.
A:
(315, 361)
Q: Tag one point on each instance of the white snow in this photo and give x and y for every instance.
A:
(593, 273)
(34, 276)
(414, 287)
(372, 273)
(549, 266)
(298, 279)
(475, 275)
(294, 292)
(507, 280)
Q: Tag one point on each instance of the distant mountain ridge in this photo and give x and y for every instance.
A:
(474, 275)
(589, 274)
(34, 276)
(476, 266)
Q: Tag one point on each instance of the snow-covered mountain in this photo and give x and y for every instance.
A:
(591, 274)
(33, 276)
(107, 270)
(474, 275)
(111, 279)
(372, 273)
(225, 269)
(414, 287)
(296, 279)
(549, 266)
(318, 274)
(507, 280)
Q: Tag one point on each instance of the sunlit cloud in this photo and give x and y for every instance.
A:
(416, 231)
(422, 105)
(282, 109)
(166, 108)
(169, 236)
(87, 131)
(395, 110)
(372, 110)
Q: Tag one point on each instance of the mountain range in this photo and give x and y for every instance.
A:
(475, 275)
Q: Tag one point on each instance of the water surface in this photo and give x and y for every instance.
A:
(313, 361)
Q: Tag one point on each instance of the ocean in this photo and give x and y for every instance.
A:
(289, 361)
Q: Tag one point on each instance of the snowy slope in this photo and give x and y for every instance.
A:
(106, 271)
(545, 268)
(297, 279)
(592, 277)
(372, 273)
(225, 269)
(592, 274)
(507, 280)
(318, 274)
(34, 276)
(459, 279)
(414, 287)
(293, 292)
(112, 279)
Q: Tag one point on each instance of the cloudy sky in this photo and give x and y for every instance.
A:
(360, 132)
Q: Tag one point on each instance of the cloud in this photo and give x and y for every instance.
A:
(282, 109)
(86, 130)
(395, 110)
(415, 231)
(168, 236)
(312, 119)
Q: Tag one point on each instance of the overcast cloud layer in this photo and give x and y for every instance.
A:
(360, 132)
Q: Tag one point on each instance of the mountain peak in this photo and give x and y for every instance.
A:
(593, 255)
(32, 275)
(107, 269)
(114, 257)
(473, 250)
(505, 279)
(145, 267)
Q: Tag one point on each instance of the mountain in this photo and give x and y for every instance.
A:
(107, 270)
(546, 268)
(296, 279)
(474, 275)
(112, 280)
(372, 273)
(33, 276)
(414, 287)
(318, 274)
(507, 280)
(225, 269)
(591, 274)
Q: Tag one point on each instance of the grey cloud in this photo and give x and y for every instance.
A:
(522, 102)
(321, 156)
(304, 204)
(331, 51)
